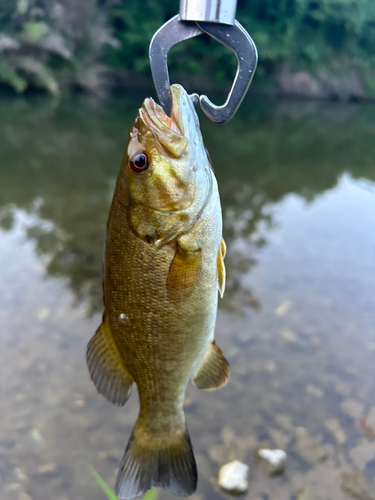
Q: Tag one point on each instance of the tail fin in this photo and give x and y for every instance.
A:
(162, 459)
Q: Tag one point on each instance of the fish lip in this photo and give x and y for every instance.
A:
(175, 93)
(178, 95)
(155, 113)
(158, 116)
(166, 131)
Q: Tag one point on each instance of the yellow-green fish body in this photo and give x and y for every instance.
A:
(163, 266)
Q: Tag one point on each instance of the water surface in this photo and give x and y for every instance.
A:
(297, 182)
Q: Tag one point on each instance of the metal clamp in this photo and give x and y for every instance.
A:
(212, 11)
(234, 37)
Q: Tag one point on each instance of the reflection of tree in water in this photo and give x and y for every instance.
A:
(66, 159)
(270, 151)
(246, 217)
(59, 163)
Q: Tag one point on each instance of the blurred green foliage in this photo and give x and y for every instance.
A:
(310, 32)
(300, 33)
(51, 45)
(55, 44)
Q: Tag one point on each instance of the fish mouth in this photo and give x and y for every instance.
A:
(170, 133)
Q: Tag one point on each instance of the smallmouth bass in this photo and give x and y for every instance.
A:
(163, 268)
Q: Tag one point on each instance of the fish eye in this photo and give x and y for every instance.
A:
(138, 162)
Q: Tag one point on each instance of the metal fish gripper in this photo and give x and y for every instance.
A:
(217, 19)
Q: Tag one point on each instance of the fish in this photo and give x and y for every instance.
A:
(163, 271)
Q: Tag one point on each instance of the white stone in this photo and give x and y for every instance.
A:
(283, 308)
(274, 459)
(233, 477)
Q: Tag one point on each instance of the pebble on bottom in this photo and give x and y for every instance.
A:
(233, 477)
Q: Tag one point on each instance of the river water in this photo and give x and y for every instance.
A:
(297, 181)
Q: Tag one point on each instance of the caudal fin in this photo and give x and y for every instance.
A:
(164, 460)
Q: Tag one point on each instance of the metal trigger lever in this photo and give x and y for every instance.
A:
(198, 17)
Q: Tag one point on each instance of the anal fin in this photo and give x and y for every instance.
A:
(106, 366)
(213, 371)
(221, 267)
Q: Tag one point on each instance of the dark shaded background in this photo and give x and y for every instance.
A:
(319, 48)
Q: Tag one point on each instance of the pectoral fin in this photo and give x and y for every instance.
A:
(107, 368)
(183, 273)
(213, 371)
(221, 267)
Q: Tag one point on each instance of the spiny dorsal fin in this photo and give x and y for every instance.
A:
(183, 273)
(221, 267)
(213, 371)
(107, 368)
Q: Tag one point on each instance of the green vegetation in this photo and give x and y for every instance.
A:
(111, 495)
(52, 45)
(92, 44)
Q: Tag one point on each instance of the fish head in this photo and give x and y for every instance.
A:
(166, 163)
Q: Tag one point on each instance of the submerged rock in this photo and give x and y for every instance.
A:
(314, 392)
(310, 447)
(352, 408)
(285, 421)
(273, 461)
(280, 439)
(367, 424)
(308, 494)
(304, 494)
(370, 419)
(47, 468)
(24, 496)
(334, 427)
(357, 486)
(270, 367)
(288, 336)
(283, 308)
(36, 435)
(233, 477)
(363, 453)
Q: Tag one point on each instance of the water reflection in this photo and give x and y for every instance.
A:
(59, 162)
(300, 245)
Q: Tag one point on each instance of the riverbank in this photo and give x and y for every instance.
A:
(319, 49)
(103, 82)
